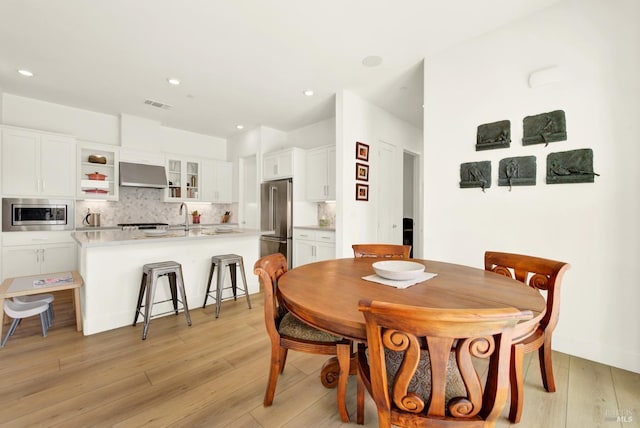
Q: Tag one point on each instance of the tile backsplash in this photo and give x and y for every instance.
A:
(142, 205)
(327, 211)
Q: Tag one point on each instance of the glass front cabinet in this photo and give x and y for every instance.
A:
(184, 180)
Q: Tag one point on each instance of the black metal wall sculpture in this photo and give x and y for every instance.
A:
(544, 128)
(575, 166)
(496, 135)
(475, 174)
(518, 171)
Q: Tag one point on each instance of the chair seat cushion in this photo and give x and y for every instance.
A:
(421, 381)
(293, 327)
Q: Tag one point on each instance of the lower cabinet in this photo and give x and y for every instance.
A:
(311, 245)
(34, 253)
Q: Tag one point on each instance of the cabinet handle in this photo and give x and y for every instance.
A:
(325, 237)
(42, 252)
(313, 251)
(43, 185)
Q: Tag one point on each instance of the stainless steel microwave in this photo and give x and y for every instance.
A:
(37, 214)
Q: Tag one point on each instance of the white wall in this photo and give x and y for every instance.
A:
(359, 120)
(318, 134)
(592, 226)
(84, 124)
(272, 140)
(149, 135)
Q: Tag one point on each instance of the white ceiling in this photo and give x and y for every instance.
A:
(240, 61)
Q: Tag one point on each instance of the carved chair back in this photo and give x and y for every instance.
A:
(391, 251)
(269, 269)
(436, 348)
(541, 274)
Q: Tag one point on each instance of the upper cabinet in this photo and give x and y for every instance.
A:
(321, 174)
(38, 164)
(184, 177)
(217, 181)
(98, 172)
(278, 165)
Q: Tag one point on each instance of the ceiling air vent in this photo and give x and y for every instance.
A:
(158, 104)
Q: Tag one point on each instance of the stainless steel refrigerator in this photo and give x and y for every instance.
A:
(276, 208)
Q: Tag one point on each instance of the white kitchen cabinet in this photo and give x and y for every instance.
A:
(278, 165)
(37, 164)
(98, 189)
(321, 174)
(184, 177)
(34, 253)
(217, 181)
(312, 245)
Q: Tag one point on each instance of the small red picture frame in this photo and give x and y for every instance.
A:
(362, 151)
(362, 171)
(362, 192)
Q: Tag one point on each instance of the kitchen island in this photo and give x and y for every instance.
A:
(111, 263)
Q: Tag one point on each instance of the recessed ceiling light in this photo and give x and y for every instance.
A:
(308, 93)
(173, 81)
(239, 126)
(372, 61)
(26, 73)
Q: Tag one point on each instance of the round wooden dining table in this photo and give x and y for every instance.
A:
(326, 294)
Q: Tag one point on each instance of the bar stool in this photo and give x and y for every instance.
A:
(150, 274)
(231, 260)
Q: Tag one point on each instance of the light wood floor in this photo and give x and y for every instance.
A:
(213, 374)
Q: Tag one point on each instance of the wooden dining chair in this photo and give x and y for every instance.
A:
(420, 369)
(543, 275)
(391, 251)
(288, 332)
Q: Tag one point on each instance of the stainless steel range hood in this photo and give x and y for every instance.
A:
(141, 175)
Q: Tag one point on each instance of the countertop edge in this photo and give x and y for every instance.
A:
(324, 228)
(105, 238)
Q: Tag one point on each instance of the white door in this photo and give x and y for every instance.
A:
(21, 260)
(250, 211)
(389, 194)
(58, 258)
(57, 160)
(317, 175)
(303, 252)
(20, 163)
(325, 251)
(224, 187)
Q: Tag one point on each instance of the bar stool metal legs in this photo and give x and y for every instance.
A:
(232, 261)
(150, 274)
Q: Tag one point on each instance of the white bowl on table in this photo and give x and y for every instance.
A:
(398, 270)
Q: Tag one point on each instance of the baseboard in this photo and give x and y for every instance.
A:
(611, 355)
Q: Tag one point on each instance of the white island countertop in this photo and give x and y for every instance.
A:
(111, 263)
(101, 238)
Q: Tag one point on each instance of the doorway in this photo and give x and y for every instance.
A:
(388, 198)
(411, 202)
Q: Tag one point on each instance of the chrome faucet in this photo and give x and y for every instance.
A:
(186, 215)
